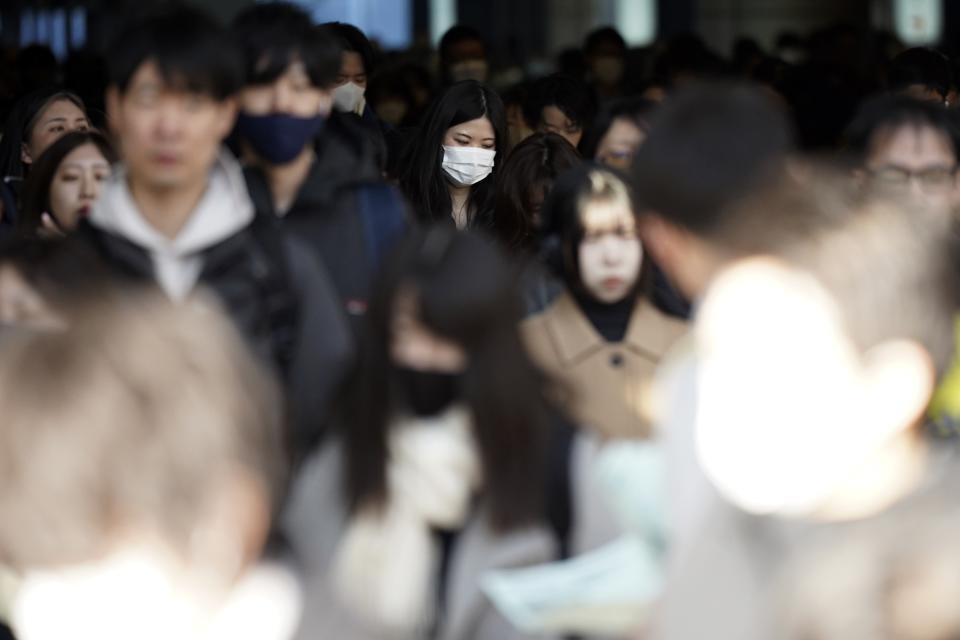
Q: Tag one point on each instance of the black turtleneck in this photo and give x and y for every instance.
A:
(610, 320)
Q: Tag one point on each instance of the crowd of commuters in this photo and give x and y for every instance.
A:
(300, 340)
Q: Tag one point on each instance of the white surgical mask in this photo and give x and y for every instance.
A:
(466, 166)
(348, 97)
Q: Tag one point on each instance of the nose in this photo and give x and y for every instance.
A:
(88, 187)
(170, 119)
(282, 100)
(610, 249)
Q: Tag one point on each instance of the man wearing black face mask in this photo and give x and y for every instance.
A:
(307, 165)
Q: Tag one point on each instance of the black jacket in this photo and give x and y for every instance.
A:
(280, 298)
(328, 213)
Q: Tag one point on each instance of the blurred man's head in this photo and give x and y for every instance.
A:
(709, 145)
(906, 145)
(820, 357)
(170, 102)
(141, 464)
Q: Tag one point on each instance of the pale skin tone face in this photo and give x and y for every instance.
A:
(620, 143)
(291, 93)
(610, 254)
(352, 69)
(473, 133)
(553, 120)
(76, 184)
(918, 159)
(414, 346)
(169, 140)
(60, 117)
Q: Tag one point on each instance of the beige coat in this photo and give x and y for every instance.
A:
(608, 382)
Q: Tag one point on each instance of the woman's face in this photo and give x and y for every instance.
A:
(610, 254)
(473, 133)
(414, 346)
(76, 184)
(620, 143)
(57, 118)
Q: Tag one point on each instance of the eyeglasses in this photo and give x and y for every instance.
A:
(932, 179)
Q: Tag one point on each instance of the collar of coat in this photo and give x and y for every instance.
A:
(577, 339)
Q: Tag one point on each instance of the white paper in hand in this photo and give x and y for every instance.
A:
(607, 591)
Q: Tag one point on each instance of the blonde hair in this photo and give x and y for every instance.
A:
(129, 417)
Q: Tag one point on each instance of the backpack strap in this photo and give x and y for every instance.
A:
(384, 218)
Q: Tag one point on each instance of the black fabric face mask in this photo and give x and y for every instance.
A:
(428, 393)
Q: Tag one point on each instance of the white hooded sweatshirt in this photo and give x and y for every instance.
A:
(224, 209)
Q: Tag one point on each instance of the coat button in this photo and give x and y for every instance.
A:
(616, 360)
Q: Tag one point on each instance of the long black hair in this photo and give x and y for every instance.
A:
(20, 125)
(533, 165)
(465, 292)
(36, 188)
(422, 178)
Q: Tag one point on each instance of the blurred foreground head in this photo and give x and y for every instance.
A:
(819, 358)
(709, 146)
(140, 463)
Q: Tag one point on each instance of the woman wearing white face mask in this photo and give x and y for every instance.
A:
(603, 337)
(450, 170)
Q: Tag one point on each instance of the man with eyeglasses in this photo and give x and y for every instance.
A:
(906, 145)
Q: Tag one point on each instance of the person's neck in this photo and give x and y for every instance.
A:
(167, 210)
(460, 199)
(286, 179)
(888, 475)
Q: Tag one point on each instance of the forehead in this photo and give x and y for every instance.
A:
(352, 62)
(606, 213)
(60, 108)
(87, 153)
(467, 49)
(479, 128)
(911, 146)
(554, 116)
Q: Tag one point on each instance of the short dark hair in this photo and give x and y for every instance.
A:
(353, 39)
(465, 289)
(921, 66)
(709, 145)
(422, 178)
(456, 34)
(572, 96)
(274, 34)
(601, 36)
(191, 51)
(533, 164)
(36, 189)
(888, 112)
(20, 122)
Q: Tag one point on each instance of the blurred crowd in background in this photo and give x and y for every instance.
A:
(302, 339)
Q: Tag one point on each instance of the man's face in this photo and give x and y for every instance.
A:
(917, 159)
(291, 93)
(169, 138)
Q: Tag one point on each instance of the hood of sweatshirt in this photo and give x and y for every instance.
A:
(224, 209)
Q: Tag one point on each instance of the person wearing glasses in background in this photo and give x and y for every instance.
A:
(906, 145)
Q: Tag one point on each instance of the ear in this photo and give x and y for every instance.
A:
(227, 117)
(901, 380)
(25, 157)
